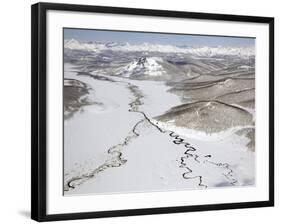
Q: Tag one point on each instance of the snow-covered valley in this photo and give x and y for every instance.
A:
(115, 142)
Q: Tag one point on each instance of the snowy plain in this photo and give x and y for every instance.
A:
(151, 161)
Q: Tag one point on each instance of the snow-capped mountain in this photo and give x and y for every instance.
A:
(147, 47)
(88, 46)
(143, 66)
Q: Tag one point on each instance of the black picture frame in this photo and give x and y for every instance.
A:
(39, 107)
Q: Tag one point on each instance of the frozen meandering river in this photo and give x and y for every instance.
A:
(115, 145)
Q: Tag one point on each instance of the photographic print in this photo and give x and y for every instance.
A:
(146, 112)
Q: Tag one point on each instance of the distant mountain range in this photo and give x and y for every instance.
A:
(204, 51)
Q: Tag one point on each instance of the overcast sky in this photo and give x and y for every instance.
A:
(158, 38)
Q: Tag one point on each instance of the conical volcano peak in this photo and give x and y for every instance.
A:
(150, 66)
(141, 61)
